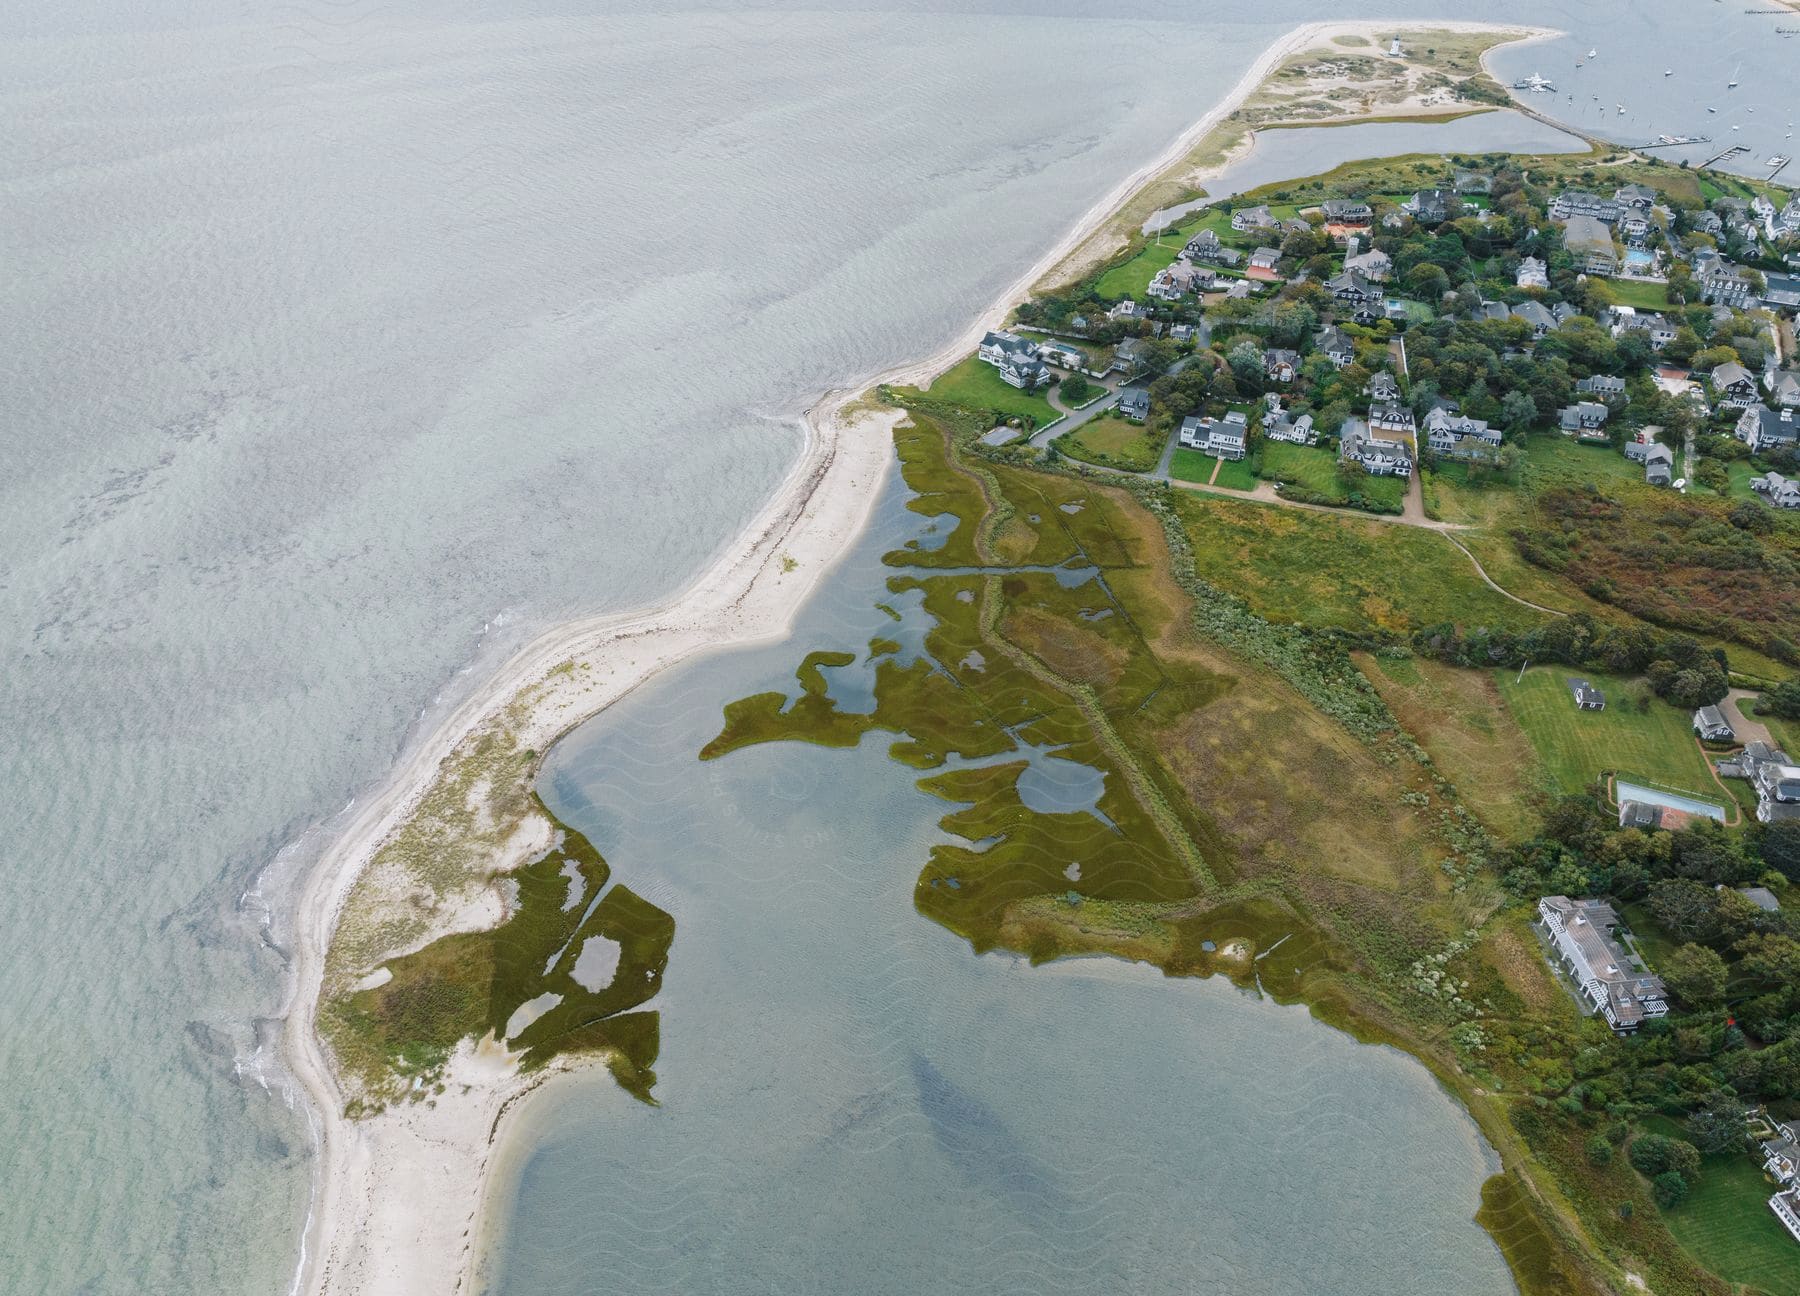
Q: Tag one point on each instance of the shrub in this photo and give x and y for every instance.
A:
(1599, 1150)
(1670, 1189)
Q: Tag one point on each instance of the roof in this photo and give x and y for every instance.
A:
(1587, 234)
(1761, 897)
(1588, 925)
(1731, 372)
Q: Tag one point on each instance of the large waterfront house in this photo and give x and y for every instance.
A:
(1571, 203)
(1015, 357)
(1345, 216)
(1782, 492)
(1619, 987)
(1380, 456)
(1225, 438)
(1252, 218)
(1205, 246)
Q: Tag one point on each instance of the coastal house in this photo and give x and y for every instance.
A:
(1252, 218)
(1380, 456)
(1205, 247)
(1659, 464)
(1582, 416)
(1134, 403)
(1383, 387)
(1445, 423)
(1733, 386)
(1537, 315)
(1786, 1205)
(1707, 222)
(1571, 203)
(1635, 196)
(1128, 311)
(1781, 1154)
(1374, 264)
(1584, 935)
(1533, 273)
(1433, 206)
(1590, 242)
(1721, 282)
(1016, 358)
(1337, 348)
(1226, 438)
(1346, 216)
(1263, 262)
(1637, 449)
(1765, 430)
(1659, 327)
(1782, 492)
(1710, 723)
(1787, 220)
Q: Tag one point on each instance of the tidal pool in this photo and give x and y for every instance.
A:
(853, 1101)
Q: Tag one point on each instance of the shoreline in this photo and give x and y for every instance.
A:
(398, 1198)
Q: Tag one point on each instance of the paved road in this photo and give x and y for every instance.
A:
(1073, 419)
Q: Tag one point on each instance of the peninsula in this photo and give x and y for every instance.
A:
(409, 1094)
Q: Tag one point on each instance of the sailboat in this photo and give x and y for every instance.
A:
(1621, 110)
(1732, 84)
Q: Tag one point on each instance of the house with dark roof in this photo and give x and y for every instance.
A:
(1205, 247)
(1583, 416)
(1337, 348)
(1433, 206)
(1710, 723)
(1381, 456)
(1659, 464)
(1263, 262)
(1764, 429)
(1777, 785)
(1587, 697)
(1280, 364)
(1134, 403)
(1601, 386)
(1577, 202)
(1659, 327)
(1283, 425)
(1352, 289)
(1784, 388)
(1346, 215)
(1782, 492)
(1537, 315)
(1383, 387)
(1612, 982)
(1640, 197)
(1590, 242)
(1391, 418)
(1732, 385)
(1373, 264)
(1015, 357)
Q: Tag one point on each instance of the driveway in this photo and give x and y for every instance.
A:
(1737, 710)
(1073, 419)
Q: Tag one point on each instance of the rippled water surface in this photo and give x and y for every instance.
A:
(346, 345)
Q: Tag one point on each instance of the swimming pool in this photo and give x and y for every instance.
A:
(1624, 792)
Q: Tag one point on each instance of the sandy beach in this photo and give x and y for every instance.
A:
(397, 1196)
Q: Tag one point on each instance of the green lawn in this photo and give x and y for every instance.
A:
(1577, 746)
(977, 386)
(1112, 441)
(1235, 474)
(1132, 278)
(1332, 569)
(1552, 459)
(1192, 466)
(1316, 470)
(1726, 1223)
(1644, 296)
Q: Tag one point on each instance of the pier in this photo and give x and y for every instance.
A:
(1731, 152)
(1669, 141)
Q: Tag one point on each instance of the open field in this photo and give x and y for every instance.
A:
(1459, 717)
(979, 387)
(1656, 745)
(1326, 569)
(1112, 441)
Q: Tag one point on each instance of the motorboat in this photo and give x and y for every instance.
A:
(1593, 53)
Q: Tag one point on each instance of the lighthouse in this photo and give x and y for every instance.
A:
(1394, 48)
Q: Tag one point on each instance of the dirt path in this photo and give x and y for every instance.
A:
(1494, 585)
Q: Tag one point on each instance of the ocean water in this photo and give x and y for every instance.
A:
(350, 343)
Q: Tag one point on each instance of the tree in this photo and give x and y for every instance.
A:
(1599, 1150)
(1517, 412)
(1652, 1155)
(1783, 700)
(1246, 360)
(1780, 848)
(1669, 1189)
(1075, 389)
(1687, 908)
(1716, 1126)
(1696, 974)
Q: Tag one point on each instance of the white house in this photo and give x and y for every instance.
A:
(1226, 438)
(1015, 358)
(1533, 273)
(1581, 931)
